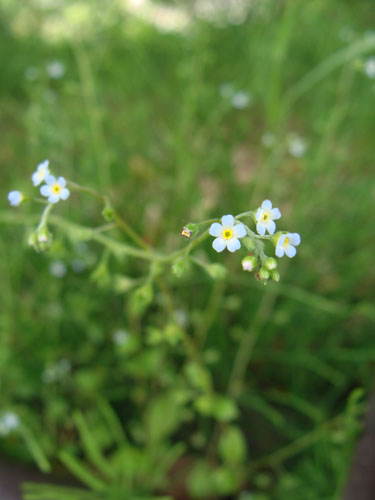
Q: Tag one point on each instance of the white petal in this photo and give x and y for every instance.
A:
(266, 205)
(227, 220)
(36, 178)
(233, 244)
(239, 231)
(275, 213)
(258, 214)
(53, 198)
(271, 226)
(219, 244)
(64, 194)
(61, 181)
(50, 179)
(43, 165)
(45, 190)
(295, 238)
(215, 229)
(290, 251)
(261, 228)
(279, 252)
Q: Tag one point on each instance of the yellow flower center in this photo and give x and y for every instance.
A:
(265, 217)
(227, 234)
(56, 188)
(286, 242)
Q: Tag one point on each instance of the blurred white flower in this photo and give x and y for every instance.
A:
(15, 198)
(9, 421)
(370, 67)
(55, 69)
(227, 234)
(120, 337)
(55, 189)
(57, 268)
(56, 371)
(265, 216)
(241, 100)
(41, 173)
(286, 244)
(297, 146)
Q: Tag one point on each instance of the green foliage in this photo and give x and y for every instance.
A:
(144, 381)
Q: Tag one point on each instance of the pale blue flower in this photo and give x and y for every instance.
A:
(55, 69)
(9, 421)
(370, 67)
(265, 216)
(241, 100)
(297, 146)
(286, 244)
(41, 173)
(15, 198)
(55, 189)
(227, 234)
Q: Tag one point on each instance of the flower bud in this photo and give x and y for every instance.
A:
(217, 271)
(275, 275)
(180, 266)
(249, 263)
(41, 239)
(264, 274)
(270, 263)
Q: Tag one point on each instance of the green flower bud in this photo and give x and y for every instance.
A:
(217, 271)
(180, 266)
(270, 263)
(275, 275)
(264, 274)
(41, 239)
(108, 212)
(249, 263)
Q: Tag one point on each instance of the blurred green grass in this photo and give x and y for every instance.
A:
(139, 114)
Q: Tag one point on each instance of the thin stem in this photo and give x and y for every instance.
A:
(44, 218)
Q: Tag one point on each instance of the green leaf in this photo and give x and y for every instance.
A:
(232, 446)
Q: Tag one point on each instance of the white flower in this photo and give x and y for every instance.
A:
(268, 139)
(297, 146)
(55, 189)
(265, 216)
(9, 421)
(370, 67)
(41, 173)
(15, 198)
(57, 268)
(55, 69)
(287, 243)
(227, 234)
(120, 337)
(241, 100)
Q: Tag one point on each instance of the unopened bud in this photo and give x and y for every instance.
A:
(270, 263)
(264, 274)
(249, 263)
(275, 275)
(249, 244)
(217, 271)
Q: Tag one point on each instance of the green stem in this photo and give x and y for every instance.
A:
(44, 218)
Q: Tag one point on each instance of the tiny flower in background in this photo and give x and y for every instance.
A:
(55, 189)
(241, 100)
(227, 234)
(286, 244)
(120, 337)
(15, 198)
(297, 146)
(55, 69)
(9, 421)
(41, 173)
(57, 268)
(186, 233)
(370, 67)
(265, 217)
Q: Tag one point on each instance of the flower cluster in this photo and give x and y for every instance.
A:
(54, 188)
(229, 233)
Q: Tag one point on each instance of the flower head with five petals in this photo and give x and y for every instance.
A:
(55, 189)
(41, 173)
(265, 216)
(286, 244)
(227, 234)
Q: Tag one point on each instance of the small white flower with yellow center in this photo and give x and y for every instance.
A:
(265, 216)
(55, 189)
(227, 234)
(41, 173)
(15, 198)
(286, 244)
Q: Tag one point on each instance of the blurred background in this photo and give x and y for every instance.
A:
(184, 111)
